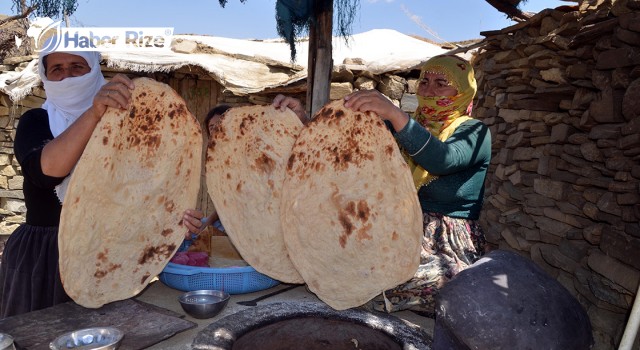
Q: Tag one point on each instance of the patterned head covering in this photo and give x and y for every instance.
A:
(436, 113)
(441, 115)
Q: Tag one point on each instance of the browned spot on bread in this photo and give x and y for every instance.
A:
(388, 150)
(144, 278)
(343, 240)
(326, 112)
(160, 252)
(394, 236)
(363, 233)
(105, 140)
(167, 231)
(291, 161)
(265, 164)
(101, 273)
(348, 227)
(350, 208)
(246, 122)
(363, 211)
(169, 206)
(102, 256)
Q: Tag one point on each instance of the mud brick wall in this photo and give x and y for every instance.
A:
(561, 94)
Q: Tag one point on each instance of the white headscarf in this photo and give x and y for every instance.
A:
(69, 98)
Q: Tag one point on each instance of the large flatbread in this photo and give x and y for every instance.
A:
(354, 223)
(121, 217)
(245, 166)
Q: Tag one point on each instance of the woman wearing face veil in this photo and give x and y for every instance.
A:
(48, 143)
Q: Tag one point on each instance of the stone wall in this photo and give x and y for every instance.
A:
(561, 94)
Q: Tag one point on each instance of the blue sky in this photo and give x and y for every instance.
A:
(439, 20)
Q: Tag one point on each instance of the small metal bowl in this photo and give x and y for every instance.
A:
(6, 342)
(99, 338)
(204, 303)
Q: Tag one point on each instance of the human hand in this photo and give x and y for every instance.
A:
(374, 101)
(281, 102)
(191, 219)
(116, 93)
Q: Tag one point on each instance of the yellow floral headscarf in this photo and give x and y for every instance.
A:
(441, 115)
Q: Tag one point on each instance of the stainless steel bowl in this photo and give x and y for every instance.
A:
(99, 338)
(204, 303)
(6, 342)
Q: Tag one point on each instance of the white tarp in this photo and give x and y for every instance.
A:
(250, 66)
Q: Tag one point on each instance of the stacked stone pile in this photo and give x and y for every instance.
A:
(561, 94)
(12, 207)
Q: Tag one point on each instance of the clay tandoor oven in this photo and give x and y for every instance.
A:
(310, 326)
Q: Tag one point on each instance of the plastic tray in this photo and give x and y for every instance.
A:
(233, 280)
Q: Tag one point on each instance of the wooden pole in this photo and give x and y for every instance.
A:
(320, 62)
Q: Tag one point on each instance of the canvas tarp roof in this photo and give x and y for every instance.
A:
(250, 66)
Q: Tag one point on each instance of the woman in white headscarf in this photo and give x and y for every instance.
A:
(48, 143)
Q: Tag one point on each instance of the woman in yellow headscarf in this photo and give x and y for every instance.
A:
(448, 153)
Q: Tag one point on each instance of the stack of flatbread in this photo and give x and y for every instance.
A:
(352, 217)
(331, 204)
(121, 217)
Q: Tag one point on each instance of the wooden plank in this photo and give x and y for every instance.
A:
(203, 97)
(320, 62)
(143, 324)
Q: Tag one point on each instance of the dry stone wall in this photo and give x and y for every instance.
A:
(561, 94)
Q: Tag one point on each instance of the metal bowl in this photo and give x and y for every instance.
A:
(6, 342)
(204, 303)
(99, 338)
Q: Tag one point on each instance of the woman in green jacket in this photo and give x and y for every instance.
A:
(448, 153)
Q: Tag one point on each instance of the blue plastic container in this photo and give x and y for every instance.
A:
(233, 280)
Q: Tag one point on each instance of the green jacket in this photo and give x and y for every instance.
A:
(461, 164)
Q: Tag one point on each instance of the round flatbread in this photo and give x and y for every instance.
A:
(354, 223)
(121, 217)
(246, 160)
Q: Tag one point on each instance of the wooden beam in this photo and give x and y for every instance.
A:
(320, 62)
